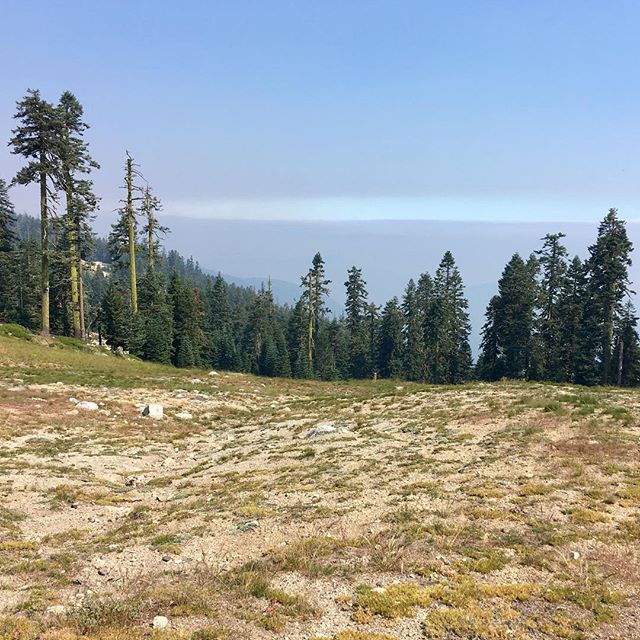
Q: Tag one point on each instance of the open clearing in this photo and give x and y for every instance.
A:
(482, 511)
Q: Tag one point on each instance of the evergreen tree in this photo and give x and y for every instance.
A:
(27, 284)
(221, 348)
(155, 318)
(514, 317)
(36, 139)
(359, 353)
(626, 347)
(124, 232)
(425, 301)
(490, 365)
(80, 200)
(609, 262)
(372, 325)
(572, 324)
(152, 229)
(316, 289)
(413, 364)
(450, 340)
(8, 242)
(187, 332)
(552, 261)
(297, 341)
(390, 341)
(114, 324)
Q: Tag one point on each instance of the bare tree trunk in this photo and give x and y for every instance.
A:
(83, 330)
(147, 203)
(132, 237)
(72, 239)
(44, 233)
(620, 361)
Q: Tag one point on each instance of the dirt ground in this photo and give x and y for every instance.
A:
(262, 508)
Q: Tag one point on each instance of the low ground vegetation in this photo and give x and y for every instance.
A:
(482, 511)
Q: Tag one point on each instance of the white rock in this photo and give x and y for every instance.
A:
(286, 410)
(575, 555)
(73, 400)
(160, 622)
(153, 411)
(56, 610)
(184, 415)
(87, 405)
(323, 429)
(195, 381)
(213, 373)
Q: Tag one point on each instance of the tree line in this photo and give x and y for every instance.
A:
(553, 318)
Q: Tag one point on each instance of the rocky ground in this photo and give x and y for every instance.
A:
(259, 508)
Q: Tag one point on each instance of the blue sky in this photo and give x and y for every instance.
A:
(345, 109)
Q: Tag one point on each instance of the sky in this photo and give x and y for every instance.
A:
(344, 109)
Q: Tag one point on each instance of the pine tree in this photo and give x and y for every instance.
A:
(572, 323)
(626, 347)
(8, 242)
(414, 355)
(490, 365)
(124, 232)
(450, 339)
(372, 325)
(511, 316)
(316, 289)
(155, 317)
(188, 337)
(80, 200)
(36, 139)
(114, 324)
(221, 348)
(553, 266)
(152, 229)
(424, 300)
(609, 262)
(359, 355)
(297, 340)
(27, 284)
(390, 341)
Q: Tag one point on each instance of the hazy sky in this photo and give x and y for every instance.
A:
(307, 109)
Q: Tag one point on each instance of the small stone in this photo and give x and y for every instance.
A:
(184, 415)
(56, 610)
(153, 411)
(168, 462)
(575, 555)
(323, 429)
(286, 410)
(247, 525)
(399, 388)
(87, 405)
(213, 373)
(160, 622)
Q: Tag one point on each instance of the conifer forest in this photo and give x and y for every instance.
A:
(554, 317)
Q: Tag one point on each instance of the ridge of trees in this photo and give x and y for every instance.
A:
(553, 317)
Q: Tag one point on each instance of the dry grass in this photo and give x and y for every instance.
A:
(481, 511)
